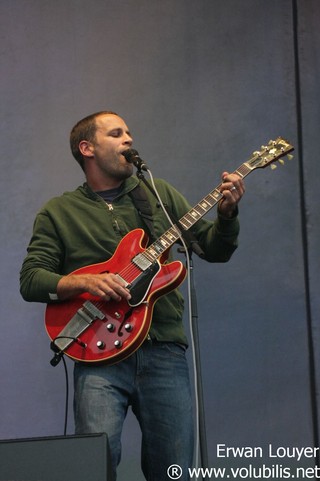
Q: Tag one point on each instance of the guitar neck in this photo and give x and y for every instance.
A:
(269, 154)
(155, 250)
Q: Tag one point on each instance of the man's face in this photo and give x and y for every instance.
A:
(112, 138)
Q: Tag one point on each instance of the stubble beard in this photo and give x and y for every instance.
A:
(120, 171)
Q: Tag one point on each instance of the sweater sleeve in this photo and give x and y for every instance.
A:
(220, 239)
(39, 274)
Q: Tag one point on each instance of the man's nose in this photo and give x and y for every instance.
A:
(128, 139)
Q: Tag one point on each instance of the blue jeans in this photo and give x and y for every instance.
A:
(155, 382)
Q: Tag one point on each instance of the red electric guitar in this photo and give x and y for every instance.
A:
(88, 329)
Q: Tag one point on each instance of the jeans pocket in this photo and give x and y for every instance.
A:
(175, 349)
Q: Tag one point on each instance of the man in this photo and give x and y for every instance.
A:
(84, 227)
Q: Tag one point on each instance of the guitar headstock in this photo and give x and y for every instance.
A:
(275, 150)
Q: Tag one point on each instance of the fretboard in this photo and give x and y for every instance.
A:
(155, 250)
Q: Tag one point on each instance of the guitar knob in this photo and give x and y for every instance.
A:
(110, 327)
(117, 344)
(101, 345)
(128, 327)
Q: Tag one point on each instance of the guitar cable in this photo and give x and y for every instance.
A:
(59, 352)
(66, 410)
(59, 356)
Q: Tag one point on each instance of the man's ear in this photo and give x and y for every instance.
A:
(86, 148)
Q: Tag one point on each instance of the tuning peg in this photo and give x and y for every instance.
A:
(289, 157)
(273, 166)
(281, 161)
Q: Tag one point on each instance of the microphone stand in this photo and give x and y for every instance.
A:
(193, 246)
(199, 385)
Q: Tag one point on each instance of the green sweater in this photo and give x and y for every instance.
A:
(78, 229)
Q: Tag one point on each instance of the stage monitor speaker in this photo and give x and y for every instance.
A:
(68, 458)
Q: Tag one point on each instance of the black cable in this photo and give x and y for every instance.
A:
(67, 397)
(59, 355)
(304, 232)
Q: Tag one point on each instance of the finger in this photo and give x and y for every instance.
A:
(120, 286)
(228, 187)
(230, 197)
(238, 183)
(115, 287)
(234, 185)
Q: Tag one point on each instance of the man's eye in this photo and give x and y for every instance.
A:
(115, 133)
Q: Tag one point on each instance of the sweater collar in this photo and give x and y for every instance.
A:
(128, 185)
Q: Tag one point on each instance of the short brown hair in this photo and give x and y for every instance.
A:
(85, 129)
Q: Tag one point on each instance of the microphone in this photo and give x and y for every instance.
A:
(132, 156)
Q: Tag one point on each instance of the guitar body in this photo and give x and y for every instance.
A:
(112, 331)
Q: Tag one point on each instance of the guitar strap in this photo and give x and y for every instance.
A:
(143, 206)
